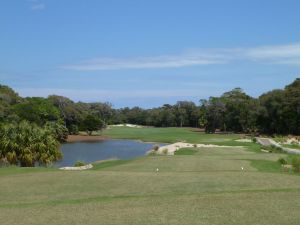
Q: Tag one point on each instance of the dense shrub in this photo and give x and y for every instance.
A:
(152, 152)
(282, 161)
(165, 151)
(92, 123)
(155, 147)
(79, 163)
(58, 130)
(26, 144)
(73, 129)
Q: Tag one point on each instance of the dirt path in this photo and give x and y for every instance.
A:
(267, 142)
(78, 138)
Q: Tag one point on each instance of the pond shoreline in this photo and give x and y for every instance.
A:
(100, 149)
(85, 138)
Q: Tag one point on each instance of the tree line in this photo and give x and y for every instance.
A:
(277, 111)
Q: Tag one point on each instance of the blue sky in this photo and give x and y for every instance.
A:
(147, 53)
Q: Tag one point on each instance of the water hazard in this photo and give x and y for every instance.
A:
(108, 149)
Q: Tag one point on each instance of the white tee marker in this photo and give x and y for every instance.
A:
(242, 168)
(157, 169)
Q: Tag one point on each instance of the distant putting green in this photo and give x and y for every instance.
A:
(221, 186)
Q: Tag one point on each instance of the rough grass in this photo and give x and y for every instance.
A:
(109, 163)
(22, 170)
(266, 165)
(293, 146)
(207, 187)
(186, 151)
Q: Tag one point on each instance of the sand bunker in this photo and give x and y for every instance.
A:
(126, 125)
(244, 140)
(172, 148)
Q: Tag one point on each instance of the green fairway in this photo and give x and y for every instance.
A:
(168, 135)
(197, 186)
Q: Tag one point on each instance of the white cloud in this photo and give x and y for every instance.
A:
(39, 6)
(281, 54)
(36, 5)
(161, 61)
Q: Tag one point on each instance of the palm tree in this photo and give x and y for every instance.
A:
(26, 144)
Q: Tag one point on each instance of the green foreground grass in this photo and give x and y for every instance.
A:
(207, 186)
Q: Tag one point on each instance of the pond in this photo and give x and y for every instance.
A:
(100, 150)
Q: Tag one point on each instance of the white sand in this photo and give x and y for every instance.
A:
(244, 140)
(176, 146)
(86, 167)
(126, 125)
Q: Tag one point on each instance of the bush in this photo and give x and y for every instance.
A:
(4, 162)
(165, 151)
(26, 145)
(279, 138)
(92, 123)
(57, 130)
(295, 161)
(152, 152)
(73, 129)
(282, 161)
(155, 147)
(79, 163)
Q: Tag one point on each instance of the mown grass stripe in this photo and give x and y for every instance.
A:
(120, 197)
